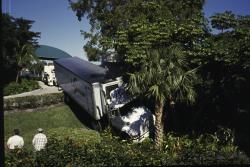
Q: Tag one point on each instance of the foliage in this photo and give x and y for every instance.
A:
(8, 40)
(15, 34)
(166, 79)
(178, 150)
(162, 29)
(32, 101)
(112, 21)
(24, 35)
(25, 57)
(19, 157)
(25, 86)
(37, 67)
(224, 68)
(165, 76)
(206, 149)
(223, 21)
(80, 136)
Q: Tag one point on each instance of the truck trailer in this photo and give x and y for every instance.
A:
(101, 96)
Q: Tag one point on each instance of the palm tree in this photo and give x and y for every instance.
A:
(165, 77)
(25, 57)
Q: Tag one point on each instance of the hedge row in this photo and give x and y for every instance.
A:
(79, 135)
(33, 101)
(210, 149)
(16, 88)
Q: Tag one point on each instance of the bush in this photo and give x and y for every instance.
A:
(24, 86)
(111, 151)
(206, 149)
(80, 136)
(19, 157)
(32, 101)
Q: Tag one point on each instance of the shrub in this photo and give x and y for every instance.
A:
(80, 136)
(32, 101)
(112, 151)
(115, 152)
(24, 86)
(206, 149)
(19, 157)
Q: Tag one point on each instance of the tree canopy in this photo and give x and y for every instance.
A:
(111, 20)
(16, 34)
(228, 58)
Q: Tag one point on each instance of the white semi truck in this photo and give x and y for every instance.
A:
(101, 96)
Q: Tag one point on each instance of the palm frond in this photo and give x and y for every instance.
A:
(165, 74)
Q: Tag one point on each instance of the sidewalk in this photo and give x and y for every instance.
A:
(43, 90)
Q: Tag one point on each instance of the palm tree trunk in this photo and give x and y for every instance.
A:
(158, 125)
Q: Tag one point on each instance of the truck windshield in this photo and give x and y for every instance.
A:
(109, 89)
(116, 96)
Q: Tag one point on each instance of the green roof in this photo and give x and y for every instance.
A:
(50, 53)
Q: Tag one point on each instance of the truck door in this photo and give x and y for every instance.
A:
(97, 101)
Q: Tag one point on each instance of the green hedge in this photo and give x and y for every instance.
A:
(16, 88)
(19, 157)
(33, 101)
(80, 136)
(209, 149)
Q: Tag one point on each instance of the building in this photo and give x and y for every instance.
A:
(47, 54)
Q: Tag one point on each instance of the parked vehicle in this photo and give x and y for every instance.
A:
(100, 96)
(48, 75)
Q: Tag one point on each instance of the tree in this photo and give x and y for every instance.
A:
(8, 44)
(165, 78)
(224, 68)
(15, 34)
(223, 21)
(23, 33)
(107, 18)
(37, 67)
(25, 57)
(230, 53)
(138, 30)
(178, 36)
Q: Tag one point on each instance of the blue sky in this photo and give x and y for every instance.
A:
(60, 28)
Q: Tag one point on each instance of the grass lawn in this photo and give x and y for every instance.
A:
(48, 118)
